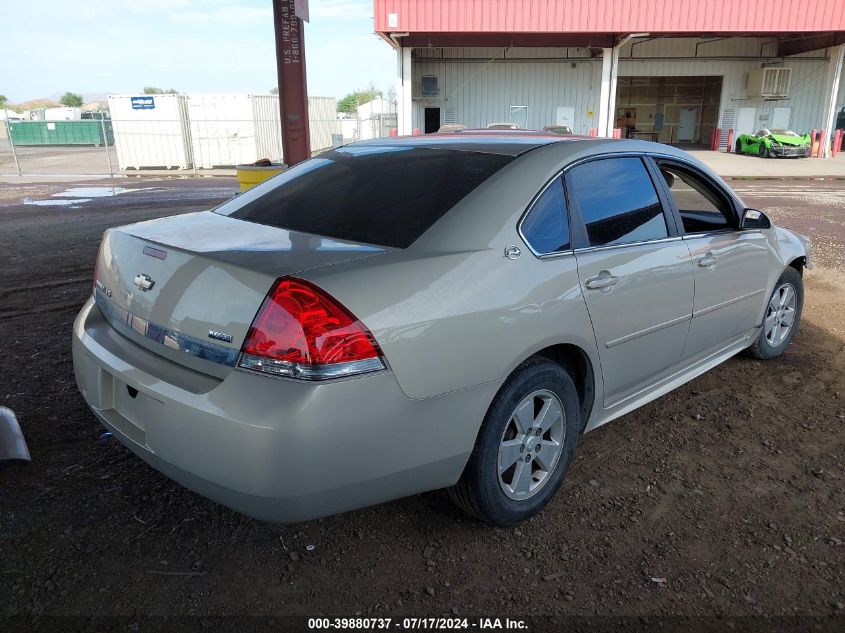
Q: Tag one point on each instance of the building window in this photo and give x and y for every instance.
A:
(430, 86)
(519, 116)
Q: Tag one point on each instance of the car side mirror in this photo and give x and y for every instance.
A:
(754, 219)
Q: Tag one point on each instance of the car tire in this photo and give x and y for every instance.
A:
(764, 153)
(738, 146)
(773, 340)
(483, 491)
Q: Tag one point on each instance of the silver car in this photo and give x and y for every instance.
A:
(447, 311)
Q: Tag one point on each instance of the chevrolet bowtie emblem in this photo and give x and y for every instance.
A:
(144, 282)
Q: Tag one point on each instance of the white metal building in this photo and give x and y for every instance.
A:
(666, 70)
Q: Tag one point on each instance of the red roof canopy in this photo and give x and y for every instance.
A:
(676, 17)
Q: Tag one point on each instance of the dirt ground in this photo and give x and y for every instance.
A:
(725, 497)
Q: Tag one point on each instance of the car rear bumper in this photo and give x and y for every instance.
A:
(276, 449)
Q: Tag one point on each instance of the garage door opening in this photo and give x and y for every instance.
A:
(673, 110)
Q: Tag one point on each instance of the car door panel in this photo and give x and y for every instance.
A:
(641, 321)
(635, 272)
(729, 265)
(730, 271)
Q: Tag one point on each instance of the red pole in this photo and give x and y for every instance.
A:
(840, 135)
(593, 132)
(813, 142)
(712, 137)
(730, 146)
(293, 96)
(717, 140)
(617, 132)
(820, 151)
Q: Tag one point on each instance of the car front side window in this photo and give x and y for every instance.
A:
(617, 201)
(701, 206)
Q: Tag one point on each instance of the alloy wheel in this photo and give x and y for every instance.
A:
(531, 444)
(780, 314)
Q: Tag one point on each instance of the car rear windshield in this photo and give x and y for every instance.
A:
(386, 195)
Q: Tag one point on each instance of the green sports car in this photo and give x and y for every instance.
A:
(771, 143)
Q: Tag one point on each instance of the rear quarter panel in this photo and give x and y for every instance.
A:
(454, 320)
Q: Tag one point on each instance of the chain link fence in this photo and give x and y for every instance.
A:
(176, 146)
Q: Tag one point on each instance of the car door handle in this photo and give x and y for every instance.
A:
(604, 280)
(708, 261)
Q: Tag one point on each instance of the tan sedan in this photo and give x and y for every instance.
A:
(448, 311)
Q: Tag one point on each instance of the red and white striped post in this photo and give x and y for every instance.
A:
(730, 146)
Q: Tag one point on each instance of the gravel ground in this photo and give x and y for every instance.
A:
(724, 497)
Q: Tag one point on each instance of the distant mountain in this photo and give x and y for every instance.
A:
(34, 103)
(100, 99)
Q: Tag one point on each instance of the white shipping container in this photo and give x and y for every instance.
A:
(268, 127)
(236, 129)
(62, 114)
(223, 130)
(151, 131)
(322, 122)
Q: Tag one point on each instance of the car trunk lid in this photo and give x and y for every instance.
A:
(188, 287)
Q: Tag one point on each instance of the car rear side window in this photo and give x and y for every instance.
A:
(383, 195)
(617, 201)
(546, 227)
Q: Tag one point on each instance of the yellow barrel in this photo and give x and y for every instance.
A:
(251, 175)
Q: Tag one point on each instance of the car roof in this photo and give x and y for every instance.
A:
(506, 142)
(477, 221)
(556, 147)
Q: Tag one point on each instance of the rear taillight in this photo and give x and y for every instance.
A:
(301, 331)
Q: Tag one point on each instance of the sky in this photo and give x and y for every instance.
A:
(194, 46)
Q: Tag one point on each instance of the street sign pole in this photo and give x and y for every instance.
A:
(293, 95)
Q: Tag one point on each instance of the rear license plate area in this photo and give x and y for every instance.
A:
(134, 405)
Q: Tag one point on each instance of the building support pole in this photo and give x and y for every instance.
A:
(834, 74)
(405, 118)
(604, 92)
(611, 99)
(293, 95)
(607, 93)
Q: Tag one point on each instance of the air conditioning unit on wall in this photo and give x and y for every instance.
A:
(769, 83)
